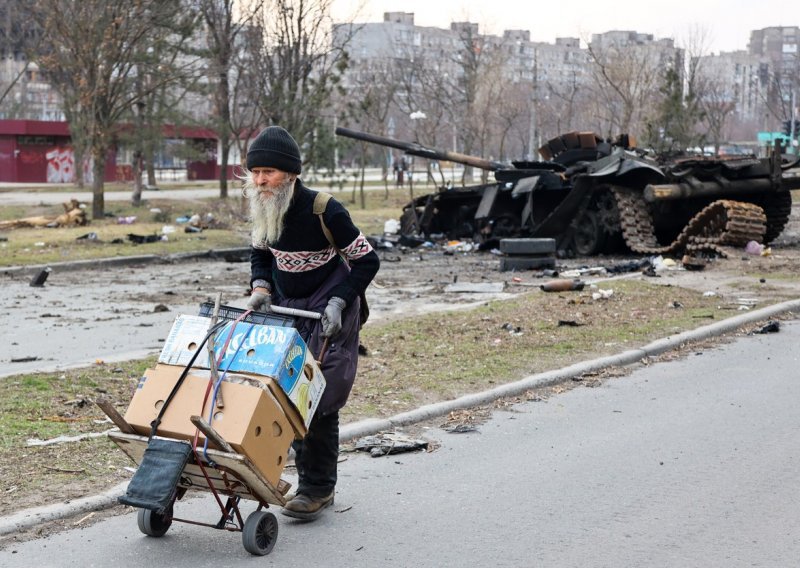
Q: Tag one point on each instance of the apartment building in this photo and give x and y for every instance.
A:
(779, 46)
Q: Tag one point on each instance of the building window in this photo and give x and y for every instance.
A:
(36, 140)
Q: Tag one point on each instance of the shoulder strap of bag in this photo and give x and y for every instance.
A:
(320, 203)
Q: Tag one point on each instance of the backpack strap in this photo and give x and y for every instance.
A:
(320, 203)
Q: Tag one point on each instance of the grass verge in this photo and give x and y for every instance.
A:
(228, 228)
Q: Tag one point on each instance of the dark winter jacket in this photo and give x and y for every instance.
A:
(304, 271)
(302, 258)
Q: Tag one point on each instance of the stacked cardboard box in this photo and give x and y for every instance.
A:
(270, 390)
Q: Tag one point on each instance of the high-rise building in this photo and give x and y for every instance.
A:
(779, 46)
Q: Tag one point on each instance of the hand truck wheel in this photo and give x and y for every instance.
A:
(260, 533)
(153, 524)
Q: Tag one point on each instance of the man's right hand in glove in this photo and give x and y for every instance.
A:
(332, 317)
(260, 300)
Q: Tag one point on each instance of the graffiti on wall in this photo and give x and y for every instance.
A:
(61, 166)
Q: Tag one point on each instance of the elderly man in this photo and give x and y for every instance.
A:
(295, 264)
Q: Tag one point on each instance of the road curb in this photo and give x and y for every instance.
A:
(29, 518)
(211, 254)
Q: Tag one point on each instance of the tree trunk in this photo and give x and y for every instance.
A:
(98, 175)
(149, 163)
(136, 198)
(223, 168)
(363, 199)
(78, 156)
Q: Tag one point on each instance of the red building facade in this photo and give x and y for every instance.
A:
(34, 151)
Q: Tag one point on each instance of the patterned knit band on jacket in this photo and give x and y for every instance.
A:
(302, 259)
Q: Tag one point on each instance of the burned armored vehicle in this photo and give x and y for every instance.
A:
(595, 196)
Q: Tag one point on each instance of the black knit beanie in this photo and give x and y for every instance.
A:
(274, 148)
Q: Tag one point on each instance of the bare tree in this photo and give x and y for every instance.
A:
(98, 42)
(300, 67)
(474, 91)
(368, 106)
(225, 20)
(165, 72)
(626, 79)
(245, 115)
(717, 100)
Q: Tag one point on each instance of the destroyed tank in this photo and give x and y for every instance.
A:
(594, 196)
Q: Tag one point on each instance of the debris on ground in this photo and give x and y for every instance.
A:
(476, 287)
(466, 420)
(88, 237)
(602, 294)
(630, 266)
(752, 247)
(746, 303)
(389, 443)
(562, 285)
(24, 359)
(391, 227)
(772, 326)
(74, 215)
(380, 242)
(67, 439)
(142, 239)
(452, 247)
(512, 329)
(39, 278)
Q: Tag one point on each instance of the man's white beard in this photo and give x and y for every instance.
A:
(267, 213)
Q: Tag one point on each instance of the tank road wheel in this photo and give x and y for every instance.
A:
(777, 207)
(505, 225)
(153, 524)
(590, 235)
(408, 222)
(260, 533)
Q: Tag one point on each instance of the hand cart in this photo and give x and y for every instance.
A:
(223, 472)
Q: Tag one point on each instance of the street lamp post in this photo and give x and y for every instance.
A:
(414, 116)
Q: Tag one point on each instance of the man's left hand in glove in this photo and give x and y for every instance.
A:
(332, 317)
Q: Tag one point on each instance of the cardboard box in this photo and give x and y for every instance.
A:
(252, 420)
(264, 350)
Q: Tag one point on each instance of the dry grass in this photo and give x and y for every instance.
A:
(228, 229)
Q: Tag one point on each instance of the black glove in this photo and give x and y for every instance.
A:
(259, 301)
(332, 318)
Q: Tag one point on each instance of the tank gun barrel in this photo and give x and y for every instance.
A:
(415, 149)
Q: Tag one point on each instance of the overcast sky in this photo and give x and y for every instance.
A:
(725, 24)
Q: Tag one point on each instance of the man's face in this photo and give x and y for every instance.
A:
(270, 181)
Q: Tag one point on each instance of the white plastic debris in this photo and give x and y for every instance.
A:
(391, 227)
(602, 294)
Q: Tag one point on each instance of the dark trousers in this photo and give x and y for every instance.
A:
(317, 455)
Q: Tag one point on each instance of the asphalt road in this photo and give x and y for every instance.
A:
(109, 314)
(685, 463)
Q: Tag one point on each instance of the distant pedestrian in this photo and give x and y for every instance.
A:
(400, 171)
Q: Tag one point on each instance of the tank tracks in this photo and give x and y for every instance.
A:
(719, 224)
(778, 208)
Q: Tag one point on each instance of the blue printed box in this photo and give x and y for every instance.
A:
(271, 351)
